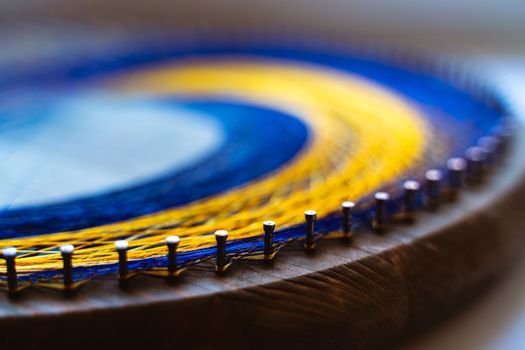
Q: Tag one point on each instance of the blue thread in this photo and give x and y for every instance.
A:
(253, 133)
(434, 96)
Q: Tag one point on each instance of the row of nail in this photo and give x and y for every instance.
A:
(470, 168)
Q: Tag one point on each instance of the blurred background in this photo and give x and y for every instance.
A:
(464, 24)
(488, 35)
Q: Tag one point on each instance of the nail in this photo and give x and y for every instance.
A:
(67, 257)
(310, 217)
(475, 159)
(504, 133)
(456, 173)
(221, 262)
(491, 146)
(433, 178)
(347, 208)
(411, 188)
(122, 250)
(381, 199)
(9, 254)
(268, 227)
(173, 243)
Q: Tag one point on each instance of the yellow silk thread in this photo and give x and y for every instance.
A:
(362, 136)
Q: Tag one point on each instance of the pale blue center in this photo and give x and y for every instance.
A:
(93, 145)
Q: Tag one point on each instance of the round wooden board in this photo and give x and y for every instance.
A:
(366, 294)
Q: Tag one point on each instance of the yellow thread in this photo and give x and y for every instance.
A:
(362, 137)
(163, 272)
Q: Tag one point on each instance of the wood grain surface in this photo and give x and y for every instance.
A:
(367, 294)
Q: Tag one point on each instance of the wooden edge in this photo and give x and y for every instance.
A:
(364, 295)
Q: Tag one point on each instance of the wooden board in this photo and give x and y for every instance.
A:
(361, 295)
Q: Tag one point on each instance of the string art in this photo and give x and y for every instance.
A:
(305, 126)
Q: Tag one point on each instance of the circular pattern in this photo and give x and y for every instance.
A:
(55, 157)
(304, 128)
(200, 178)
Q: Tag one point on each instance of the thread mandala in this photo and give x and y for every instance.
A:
(302, 126)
